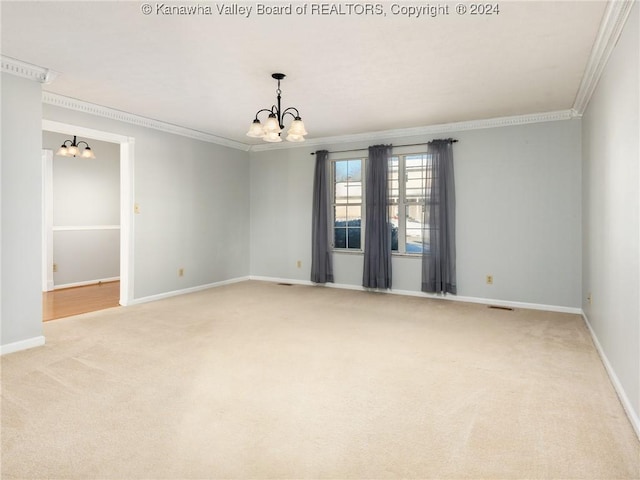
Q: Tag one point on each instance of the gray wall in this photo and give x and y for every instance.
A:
(611, 208)
(194, 206)
(86, 193)
(21, 205)
(518, 215)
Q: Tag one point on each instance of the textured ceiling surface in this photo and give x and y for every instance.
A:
(351, 68)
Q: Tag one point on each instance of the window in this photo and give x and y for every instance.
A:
(408, 179)
(347, 204)
(407, 182)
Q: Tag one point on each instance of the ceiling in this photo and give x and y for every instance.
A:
(347, 74)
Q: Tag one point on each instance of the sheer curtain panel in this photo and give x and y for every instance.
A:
(321, 259)
(377, 237)
(439, 235)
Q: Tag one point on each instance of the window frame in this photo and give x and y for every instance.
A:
(400, 153)
(403, 202)
(363, 163)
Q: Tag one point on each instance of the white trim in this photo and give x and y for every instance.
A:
(613, 20)
(106, 112)
(491, 301)
(47, 220)
(21, 345)
(69, 129)
(85, 283)
(126, 195)
(113, 114)
(27, 70)
(127, 204)
(73, 228)
(260, 278)
(411, 293)
(174, 293)
(622, 395)
(425, 131)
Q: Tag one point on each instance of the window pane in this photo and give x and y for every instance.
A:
(354, 170)
(414, 241)
(413, 193)
(394, 183)
(347, 203)
(414, 214)
(340, 172)
(353, 238)
(347, 226)
(413, 236)
(393, 215)
(415, 180)
(341, 192)
(340, 237)
(415, 161)
(353, 226)
(393, 220)
(353, 213)
(348, 181)
(354, 190)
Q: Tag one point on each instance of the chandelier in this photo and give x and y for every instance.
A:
(270, 131)
(74, 149)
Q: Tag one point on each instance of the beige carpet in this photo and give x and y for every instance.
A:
(257, 380)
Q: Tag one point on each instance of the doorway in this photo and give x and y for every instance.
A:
(70, 301)
(126, 158)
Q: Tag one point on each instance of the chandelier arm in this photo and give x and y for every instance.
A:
(264, 110)
(297, 115)
(82, 141)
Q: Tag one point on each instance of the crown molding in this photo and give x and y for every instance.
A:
(613, 20)
(27, 70)
(113, 114)
(425, 131)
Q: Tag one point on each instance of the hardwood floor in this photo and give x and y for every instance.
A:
(73, 301)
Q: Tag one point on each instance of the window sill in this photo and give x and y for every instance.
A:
(360, 252)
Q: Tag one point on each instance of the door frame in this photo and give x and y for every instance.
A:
(126, 203)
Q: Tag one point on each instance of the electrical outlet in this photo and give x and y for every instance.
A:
(489, 279)
(181, 272)
(55, 267)
(299, 264)
(589, 298)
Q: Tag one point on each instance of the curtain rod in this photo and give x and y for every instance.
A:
(452, 140)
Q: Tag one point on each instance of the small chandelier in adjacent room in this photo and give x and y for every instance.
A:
(270, 131)
(73, 149)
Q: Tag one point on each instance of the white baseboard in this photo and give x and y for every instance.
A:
(622, 395)
(85, 283)
(22, 345)
(453, 298)
(174, 293)
(281, 280)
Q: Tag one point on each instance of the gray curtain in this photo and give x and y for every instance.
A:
(321, 260)
(439, 235)
(377, 236)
